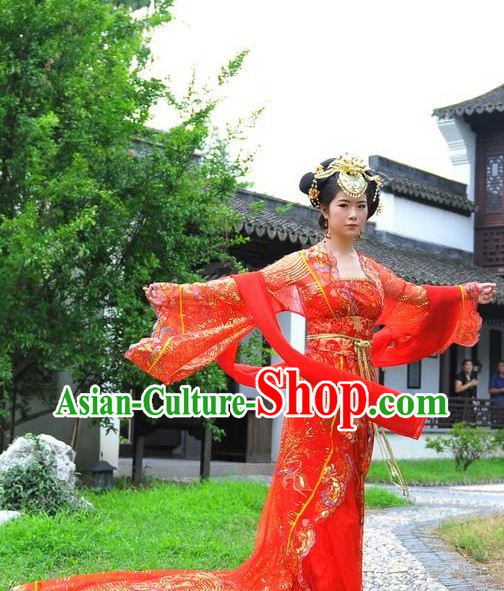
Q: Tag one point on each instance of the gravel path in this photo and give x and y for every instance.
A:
(401, 553)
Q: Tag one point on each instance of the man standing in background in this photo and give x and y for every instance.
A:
(496, 391)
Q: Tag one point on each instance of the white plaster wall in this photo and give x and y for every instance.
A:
(88, 439)
(461, 141)
(397, 377)
(405, 448)
(293, 326)
(247, 391)
(424, 222)
(109, 444)
(385, 220)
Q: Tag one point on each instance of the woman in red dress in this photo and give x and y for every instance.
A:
(310, 532)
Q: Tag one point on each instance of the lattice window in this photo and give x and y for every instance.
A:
(494, 182)
(492, 246)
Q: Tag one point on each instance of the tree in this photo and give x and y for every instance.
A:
(94, 204)
(466, 443)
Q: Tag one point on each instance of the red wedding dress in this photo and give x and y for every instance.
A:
(310, 532)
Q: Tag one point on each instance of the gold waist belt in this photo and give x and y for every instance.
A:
(358, 342)
(362, 351)
(359, 345)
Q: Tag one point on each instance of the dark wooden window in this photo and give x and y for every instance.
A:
(415, 375)
(489, 197)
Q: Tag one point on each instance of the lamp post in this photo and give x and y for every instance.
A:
(103, 475)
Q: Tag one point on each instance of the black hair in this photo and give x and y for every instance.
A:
(329, 188)
(466, 360)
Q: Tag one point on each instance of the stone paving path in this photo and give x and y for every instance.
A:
(401, 553)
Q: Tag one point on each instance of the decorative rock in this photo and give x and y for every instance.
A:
(6, 516)
(23, 449)
(55, 453)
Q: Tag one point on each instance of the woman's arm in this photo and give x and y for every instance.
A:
(407, 307)
(493, 388)
(283, 278)
(197, 321)
(459, 387)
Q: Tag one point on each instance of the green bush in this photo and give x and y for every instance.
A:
(499, 438)
(467, 443)
(31, 487)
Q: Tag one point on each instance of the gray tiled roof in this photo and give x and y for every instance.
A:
(419, 185)
(425, 266)
(298, 225)
(415, 261)
(484, 103)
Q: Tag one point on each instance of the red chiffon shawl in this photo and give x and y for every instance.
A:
(387, 350)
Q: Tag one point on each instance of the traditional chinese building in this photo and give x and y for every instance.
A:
(425, 234)
(433, 230)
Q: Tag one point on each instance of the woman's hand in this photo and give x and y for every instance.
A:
(486, 292)
(154, 295)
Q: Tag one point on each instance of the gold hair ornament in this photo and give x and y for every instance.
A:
(353, 178)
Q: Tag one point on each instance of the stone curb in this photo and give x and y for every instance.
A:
(444, 565)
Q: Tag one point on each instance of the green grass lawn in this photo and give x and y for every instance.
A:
(480, 539)
(209, 525)
(381, 498)
(440, 471)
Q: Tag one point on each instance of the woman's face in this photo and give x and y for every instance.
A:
(347, 215)
(468, 366)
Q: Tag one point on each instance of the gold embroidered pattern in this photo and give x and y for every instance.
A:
(334, 479)
(469, 321)
(287, 270)
(306, 539)
(284, 280)
(291, 472)
(317, 281)
(182, 330)
(315, 487)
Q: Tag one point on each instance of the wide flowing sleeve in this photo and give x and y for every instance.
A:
(440, 314)
(196, 322)
(283, 279)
